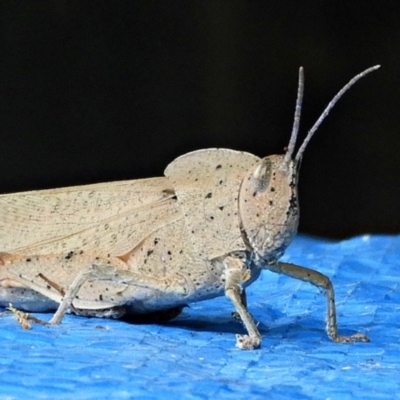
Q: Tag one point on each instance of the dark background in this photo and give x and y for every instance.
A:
(100, 91)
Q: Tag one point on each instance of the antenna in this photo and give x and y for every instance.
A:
(327, 110)
(297, 114)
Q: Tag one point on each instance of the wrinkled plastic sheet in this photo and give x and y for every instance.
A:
(194, 356)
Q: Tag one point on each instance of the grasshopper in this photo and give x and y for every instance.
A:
(151, 246)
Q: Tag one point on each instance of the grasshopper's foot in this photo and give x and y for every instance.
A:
(357, 337)
(246, 342)
(24, 318)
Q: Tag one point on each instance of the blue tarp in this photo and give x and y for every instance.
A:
(194, 356)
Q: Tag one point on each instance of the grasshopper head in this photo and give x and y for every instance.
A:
(268, 206)
(268, 201)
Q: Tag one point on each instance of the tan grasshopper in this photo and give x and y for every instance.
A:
(208, 228)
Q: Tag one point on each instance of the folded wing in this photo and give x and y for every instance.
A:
(109, 218)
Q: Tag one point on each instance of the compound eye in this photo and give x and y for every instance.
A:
(262, 176)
